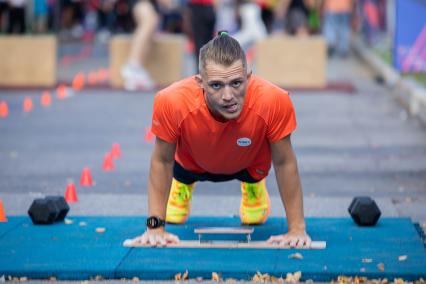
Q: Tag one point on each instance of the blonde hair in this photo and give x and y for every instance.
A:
(223, 49)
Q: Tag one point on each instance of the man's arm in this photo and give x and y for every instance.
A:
(160, 177)
(160, 180)
(289, 185)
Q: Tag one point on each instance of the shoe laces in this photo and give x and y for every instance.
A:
(253, 190)
(184, 193)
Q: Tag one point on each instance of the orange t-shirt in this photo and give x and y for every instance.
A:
(204, 144)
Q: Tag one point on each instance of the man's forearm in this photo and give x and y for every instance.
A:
(290, 188)
(160, 179)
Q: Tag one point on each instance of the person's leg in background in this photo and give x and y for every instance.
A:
(329, 32)
(134, 74)
(344, 34)
(203, 20)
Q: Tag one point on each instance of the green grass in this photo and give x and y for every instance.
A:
(386, 56)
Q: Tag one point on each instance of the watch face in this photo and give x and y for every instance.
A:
(154, 222)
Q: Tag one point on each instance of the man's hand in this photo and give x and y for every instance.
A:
(293, 239)
(153, 238)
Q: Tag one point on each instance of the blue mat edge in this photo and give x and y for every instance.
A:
(169, 275)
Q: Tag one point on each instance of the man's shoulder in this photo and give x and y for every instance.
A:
(179, 99)
(185, 91)
(263, 92)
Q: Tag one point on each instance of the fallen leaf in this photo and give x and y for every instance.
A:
(402, 258)
(100, 230)
(296, 256)
(185, 275)
(215, 277)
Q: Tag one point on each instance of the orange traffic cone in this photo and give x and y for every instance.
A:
(3, 217)
(78, 82)
(70, 193)
(108, 163)
(149, 136)
(4, 109)
(116, 151)
(92, 78)
(61, 92)
(46, 99)
(27, 105)
(86, 177)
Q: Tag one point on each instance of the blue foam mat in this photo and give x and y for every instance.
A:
(77, 252)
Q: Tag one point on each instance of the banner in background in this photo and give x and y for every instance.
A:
(409, 47)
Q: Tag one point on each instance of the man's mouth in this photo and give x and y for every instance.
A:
(231, 107)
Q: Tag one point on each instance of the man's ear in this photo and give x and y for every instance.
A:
(249, 74)
(199, 80)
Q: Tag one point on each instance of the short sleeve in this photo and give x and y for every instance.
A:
(165, 123)
(282, 117)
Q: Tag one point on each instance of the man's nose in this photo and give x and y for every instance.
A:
(227, 93)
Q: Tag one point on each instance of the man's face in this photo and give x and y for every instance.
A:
(224, 89)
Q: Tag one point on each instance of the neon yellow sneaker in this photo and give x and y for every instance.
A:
(255, 203)
(179, 203)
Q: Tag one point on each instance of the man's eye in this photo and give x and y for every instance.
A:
(236, 84)
(215, 86)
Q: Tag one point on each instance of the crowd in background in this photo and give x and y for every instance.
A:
(76, 17)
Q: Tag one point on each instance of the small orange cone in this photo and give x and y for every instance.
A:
(46, 99)
(149, 136)
(61, 92)
(70, 193)
(3, 217)
(78, 82)
(86, 177)
(92, 78)
(116, 151)
(108, 163)
(4, 109)
(28, 104)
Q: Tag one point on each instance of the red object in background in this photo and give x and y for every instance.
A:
(116, 151)
(61, 92)
(3, 217)
(108, 164)
(149, 136)
(86, 177)
(28, 104)
(78, 82)
(46, 99)
(4, 109)
(70, 193)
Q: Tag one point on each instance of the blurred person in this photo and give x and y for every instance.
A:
(337, 25)
(40, 16)
(252, 27)
(72, 16)
(3, 15)
(267, 13)
(106, 19)
(17, 23)
(202, 18)
(219, 125)
(295, 15)
(147, 17)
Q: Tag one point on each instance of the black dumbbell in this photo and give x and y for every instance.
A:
(48, 210)
(364, 211)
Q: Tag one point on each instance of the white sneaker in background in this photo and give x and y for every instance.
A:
(136, 78)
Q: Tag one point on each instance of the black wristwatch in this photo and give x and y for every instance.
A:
(154, 222)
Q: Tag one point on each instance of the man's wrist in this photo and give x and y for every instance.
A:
(155, 222)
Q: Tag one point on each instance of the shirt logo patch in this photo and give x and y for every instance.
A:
(243, 142)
